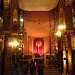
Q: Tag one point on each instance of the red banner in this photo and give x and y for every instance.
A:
(38, 46)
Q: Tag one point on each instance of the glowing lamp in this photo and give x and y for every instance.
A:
(58, 33)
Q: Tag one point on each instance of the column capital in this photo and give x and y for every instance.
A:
(68, 2)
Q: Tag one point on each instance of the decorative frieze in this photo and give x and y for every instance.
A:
(14, 14)
(68, 2)
(7, 16)
(6, 3)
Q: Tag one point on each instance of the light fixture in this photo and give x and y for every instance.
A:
(14, 43)
(61, 27)
(58, 34)
(21, 20)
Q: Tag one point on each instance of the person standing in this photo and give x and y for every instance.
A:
(32, 68)
(17, 69)
(24, 68)
(40, 68)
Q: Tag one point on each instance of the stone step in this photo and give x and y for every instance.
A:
(9, 72)
(48, 71)
(51, 70)
(47, 74)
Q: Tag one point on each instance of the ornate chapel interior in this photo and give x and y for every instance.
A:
(38, 30)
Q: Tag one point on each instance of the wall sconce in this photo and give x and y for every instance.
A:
(14, 42)
(21, 20)
(62, 28)
(58, 34)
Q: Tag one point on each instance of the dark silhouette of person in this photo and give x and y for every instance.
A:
(17, 69)
(24, 68)
(40, 68)
(32, 68)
